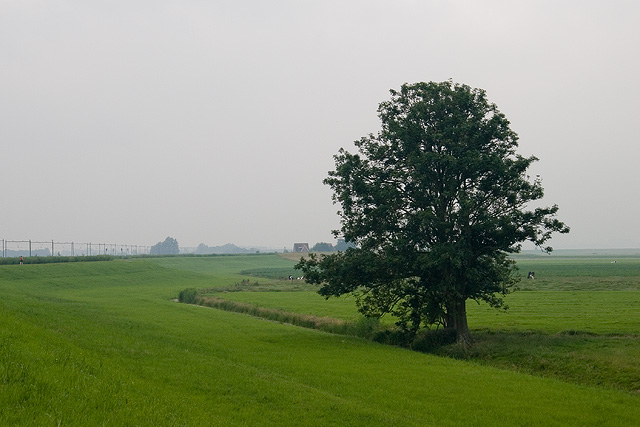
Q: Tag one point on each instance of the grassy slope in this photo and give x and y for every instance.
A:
(101, 343)
(577, 321)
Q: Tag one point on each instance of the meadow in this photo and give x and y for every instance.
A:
(105, 343)
(579, 320)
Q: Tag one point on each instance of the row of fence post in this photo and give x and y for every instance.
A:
(91, 248)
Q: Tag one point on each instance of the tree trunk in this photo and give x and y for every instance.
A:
(459, 317)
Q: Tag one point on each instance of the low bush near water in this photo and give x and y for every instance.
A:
(364, 327)
(326, 324)
(432, 339)
(188, 296)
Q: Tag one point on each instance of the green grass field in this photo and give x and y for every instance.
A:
(104, 344)
(579, 321)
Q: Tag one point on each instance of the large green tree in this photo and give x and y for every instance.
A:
(435, 203)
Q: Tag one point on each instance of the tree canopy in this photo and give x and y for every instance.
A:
(434, 202)
(168, 247)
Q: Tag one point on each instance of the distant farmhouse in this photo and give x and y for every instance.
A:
(300, 247)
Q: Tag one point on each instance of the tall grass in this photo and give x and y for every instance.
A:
(327, 324)
(363, 327)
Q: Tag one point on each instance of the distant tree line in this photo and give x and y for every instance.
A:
(340, 246)
(228, 248)
(25, 252)
(168, 247)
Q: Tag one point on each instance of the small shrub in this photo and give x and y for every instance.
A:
(366, 327)
(395, 337)
(188, 296)
(431, 339)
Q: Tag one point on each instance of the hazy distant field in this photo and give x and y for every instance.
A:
(104, 344)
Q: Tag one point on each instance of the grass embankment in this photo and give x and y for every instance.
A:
(578, 321)
(103, 344)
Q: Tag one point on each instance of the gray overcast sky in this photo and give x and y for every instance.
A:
(216, 121)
